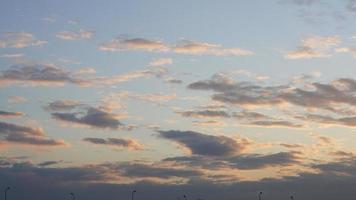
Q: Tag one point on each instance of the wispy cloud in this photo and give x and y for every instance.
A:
(19, 40)
(142, 44)
(51, 75)
(116, 143)
(7, 114)
(26, 135)
(315, 47)
(182, 47)
(89, 116)
(161, 62)
(80, 35)
(16, 99)
(202, 144)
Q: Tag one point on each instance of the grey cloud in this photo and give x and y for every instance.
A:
(116, 142)
(335, 180)
(243, 162)
(49, 75)
(276, 124)
(256, 161)
(49, 163)
(10, 114)
(204, 113)
(340, 92)
(61, 105)
(90, 116)
(201, 144)
(239, 93)
(351, 5)
(37, 74)
(141, 170)
(259, 119)
(173, 81)
(26, 135)
(344, 121)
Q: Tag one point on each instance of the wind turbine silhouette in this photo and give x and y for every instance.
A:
(132, 194)
(260, 196)
(6, 189)
(73, 196)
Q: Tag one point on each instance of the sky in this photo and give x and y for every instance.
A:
(207, 99)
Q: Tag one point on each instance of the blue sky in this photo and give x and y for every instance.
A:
(178, 96)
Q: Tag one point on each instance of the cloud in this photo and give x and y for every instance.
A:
(173, 80)
(94, 182)
(204, 113)
(90, 116)
(304, 2)
(161, 62)
(49, 19)
(208, 123)
(350, 50)
(239, 93)
(50, 75)
(16, 55)
(7, 114)
(182, 47)
(259, 119)
(351, 6)
(256, 161)
(62, 105)
(116, 79)
(80, 35)
(19, 40)
(201, 144)
(200, 48)
(17, 134)
(49, 163)
(16, 99)
(314, 47)
(280, 123)
(327, 120)
(37, 75)
(119, 143)
(339, 92)
(242, 162)
(336, 96)
(146, 171)
(121, 44)
(114, 100)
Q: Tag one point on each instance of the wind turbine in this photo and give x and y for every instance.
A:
(73, 196)
(132, 194)
(260, 196)
(6, 189)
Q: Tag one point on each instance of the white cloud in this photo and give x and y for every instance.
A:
(161, 62)
(182, 47)
(19, 40)
(80, 35)
(314, 47)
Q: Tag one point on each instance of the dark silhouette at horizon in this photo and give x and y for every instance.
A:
(132, 194)
(5, 193)
(72, 195)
